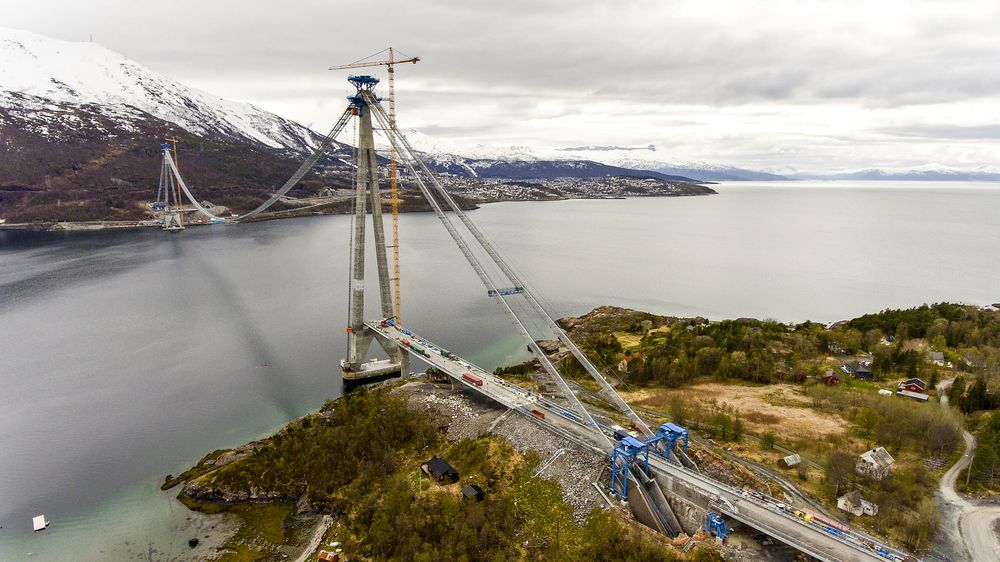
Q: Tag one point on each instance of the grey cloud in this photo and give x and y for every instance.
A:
(946, 131)
(496, 68)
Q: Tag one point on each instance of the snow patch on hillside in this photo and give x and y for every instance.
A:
(88, 73)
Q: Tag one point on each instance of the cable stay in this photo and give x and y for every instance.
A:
(477, 266)
(489, 247)
(412, 161)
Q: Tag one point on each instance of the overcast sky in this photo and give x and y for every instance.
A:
(808, 85)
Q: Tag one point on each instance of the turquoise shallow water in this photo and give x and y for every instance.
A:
(126, 356)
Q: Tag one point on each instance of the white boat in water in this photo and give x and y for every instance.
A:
(39, 522)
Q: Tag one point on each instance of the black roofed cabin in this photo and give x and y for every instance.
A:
(438, 469)
(473, 492)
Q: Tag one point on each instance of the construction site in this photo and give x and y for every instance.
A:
(599, 446)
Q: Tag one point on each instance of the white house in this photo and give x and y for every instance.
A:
(853, 502)
(876, 463)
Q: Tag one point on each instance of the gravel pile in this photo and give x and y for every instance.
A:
(574, 468)
(469, 416)
(465, 416)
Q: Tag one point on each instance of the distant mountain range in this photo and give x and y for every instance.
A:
(519, 169)
(487, 161)
(545, 162)
(930, 172)
(80, 128)
(39, 68)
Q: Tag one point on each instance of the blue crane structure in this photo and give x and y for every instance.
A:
(666, 438)
(625, 454)
(716, 526)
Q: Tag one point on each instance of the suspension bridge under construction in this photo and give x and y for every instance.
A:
(647, 466)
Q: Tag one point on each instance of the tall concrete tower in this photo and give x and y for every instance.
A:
(368, 195)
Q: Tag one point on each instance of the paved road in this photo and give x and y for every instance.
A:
(970, 524)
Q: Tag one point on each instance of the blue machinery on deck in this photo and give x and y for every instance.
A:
(629, 449)
(505, 291)
(716, 525)
(666, 438)
(623, 455)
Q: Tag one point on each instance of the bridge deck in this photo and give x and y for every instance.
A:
(509, 395)
(812, 538)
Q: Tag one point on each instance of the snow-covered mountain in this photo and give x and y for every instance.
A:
(646, 158)
(36, 70)
(81, 126)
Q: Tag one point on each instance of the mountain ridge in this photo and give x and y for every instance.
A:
(637, 159)
(81, 127)
(927, 172)
(81, 73)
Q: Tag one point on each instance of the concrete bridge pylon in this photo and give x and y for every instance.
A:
(368, 196)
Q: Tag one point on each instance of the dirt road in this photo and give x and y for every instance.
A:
(968, 524)
(317, 538)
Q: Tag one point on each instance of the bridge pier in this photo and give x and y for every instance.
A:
(654, 494)
(688, 506)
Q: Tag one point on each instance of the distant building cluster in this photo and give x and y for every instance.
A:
(560, 188)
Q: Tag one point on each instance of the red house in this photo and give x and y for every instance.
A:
(913, 385)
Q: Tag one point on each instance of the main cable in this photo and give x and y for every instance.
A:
(490, 249)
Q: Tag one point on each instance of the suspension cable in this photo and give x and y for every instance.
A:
(490, 249)
(485, 278)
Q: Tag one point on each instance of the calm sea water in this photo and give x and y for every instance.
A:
(126, 356)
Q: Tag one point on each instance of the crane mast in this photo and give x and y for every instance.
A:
(394, 191)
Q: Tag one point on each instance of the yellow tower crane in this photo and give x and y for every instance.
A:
(393, 182)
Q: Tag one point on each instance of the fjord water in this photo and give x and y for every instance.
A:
(126, 356)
